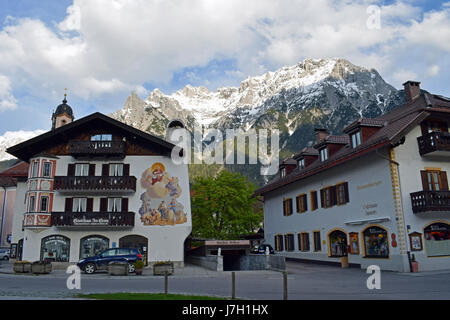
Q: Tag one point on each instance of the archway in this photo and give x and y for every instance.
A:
(93, 245)
(375, 242)
(137, 242)
(337, 240)
(437, 239)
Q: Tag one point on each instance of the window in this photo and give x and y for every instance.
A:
(301, 164)
(109, 253)
(323, 154)
(101, 137)
(354, 243)
(82, 169)
(342, 193)
(376, 243)
(437, 240)
(328, 197)
(55, 248)
(313, 200)
(279, 242)
(289, 240)
(35, 169)
(44, 204)
(338, 243)
(356, 139)
(287, 207)
(302, 205)
(114, 204)
(79, 204)
(303, 241)
(91, 246)
(47, 169)
(317, 244)
(283, 172)
(31, 204)
(116, 169)
(434, 180)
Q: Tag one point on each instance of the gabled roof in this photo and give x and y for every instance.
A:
(396, 124)
(20, 169)
(29, 148)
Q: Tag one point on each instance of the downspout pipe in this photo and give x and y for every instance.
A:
(3, 214)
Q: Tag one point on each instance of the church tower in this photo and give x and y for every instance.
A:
(63, 114)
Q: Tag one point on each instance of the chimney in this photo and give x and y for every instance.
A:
(321, 134)
(412, 90)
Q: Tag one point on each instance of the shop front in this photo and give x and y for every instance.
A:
(93, 245)
(55, 248)
(437, 239)
(338, 243)
(376, 243)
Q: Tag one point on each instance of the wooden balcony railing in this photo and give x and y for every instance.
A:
(95, 183)
(429, 201)
(434, 141)
(93, 219)
(97, 148)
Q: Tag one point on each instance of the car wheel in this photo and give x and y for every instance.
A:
(6, 258)
(131, 268)
(89, 268)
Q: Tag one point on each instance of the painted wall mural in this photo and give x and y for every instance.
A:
(159, 201)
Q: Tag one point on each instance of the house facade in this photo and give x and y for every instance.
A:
(96, 183)
(376, 195)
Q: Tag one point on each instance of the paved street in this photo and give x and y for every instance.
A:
(305, 281)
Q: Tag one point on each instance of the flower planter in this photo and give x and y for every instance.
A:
(160, 269)
(27, 267)
(415, 266)
(22, 267)
(118, 269)
(138, 272)
(40, 267)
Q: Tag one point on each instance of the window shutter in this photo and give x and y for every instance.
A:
(322, 199)
(103, 204)
(333, 195)
(124, 204)
(90, 205)
(305, 201)
(126, 169)
(92, 169)
(424, 176)
(444, 180)
(290, 206)
(71, 170)
(297, 202)
(316, 205)
(347, 196)
(284, 207)
(68, 205)
(105, 170)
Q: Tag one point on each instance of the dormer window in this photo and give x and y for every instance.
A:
(283, 172)
(355, 139)
(323, 154)
(102, 137)
(301, 164)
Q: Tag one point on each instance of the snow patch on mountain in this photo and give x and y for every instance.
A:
(11, 138)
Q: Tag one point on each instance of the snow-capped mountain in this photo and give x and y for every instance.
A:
(11, 138)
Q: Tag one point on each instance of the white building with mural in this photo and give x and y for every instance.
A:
(96, 183)
(377, 195)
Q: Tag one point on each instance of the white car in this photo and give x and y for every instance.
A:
(4, 254)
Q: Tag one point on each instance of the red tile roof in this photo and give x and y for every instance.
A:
(18, 170)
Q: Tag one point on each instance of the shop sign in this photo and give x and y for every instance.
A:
(370, 208)
(227, 242)
(90, 222)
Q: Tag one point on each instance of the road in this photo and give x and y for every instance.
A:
(305, 281)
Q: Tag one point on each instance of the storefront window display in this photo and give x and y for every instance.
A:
(354, 243)
(55, 248)
(338, 243)
(93, 245)
(437, 240)
(376, 243)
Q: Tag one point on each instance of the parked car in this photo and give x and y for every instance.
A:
(4, 254)
(261, 249)
(100, 262)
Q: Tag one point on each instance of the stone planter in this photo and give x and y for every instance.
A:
(40, 267)
(159, 269)
(22, 267)
(118, 269)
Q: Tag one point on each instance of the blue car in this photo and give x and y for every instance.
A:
(100, 262)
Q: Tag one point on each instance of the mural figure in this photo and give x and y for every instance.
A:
(159, 201)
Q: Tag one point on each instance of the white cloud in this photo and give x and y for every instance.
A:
(103, 49)
(7, 100)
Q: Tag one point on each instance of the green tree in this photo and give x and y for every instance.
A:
(223, 206)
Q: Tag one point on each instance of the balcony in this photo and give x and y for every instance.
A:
(92, 149)
(430, 201)
(93, 184)
(434, 143)
(37, 220)
(88, 220)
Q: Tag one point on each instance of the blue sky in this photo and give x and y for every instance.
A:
(103, 49)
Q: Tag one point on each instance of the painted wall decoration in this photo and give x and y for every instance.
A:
(159, 201)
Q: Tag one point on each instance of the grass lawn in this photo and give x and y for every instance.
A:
(144, 296)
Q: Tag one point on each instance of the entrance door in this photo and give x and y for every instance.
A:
(136, 242)
(20, 250)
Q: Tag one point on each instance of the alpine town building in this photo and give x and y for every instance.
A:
(96, 183)
(377, 195)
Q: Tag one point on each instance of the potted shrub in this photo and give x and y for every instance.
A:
(139, 266)
(41, 267)
(414, 264)
(160, 268)
(118, 268)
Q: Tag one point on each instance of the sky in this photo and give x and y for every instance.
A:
(101, 50)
